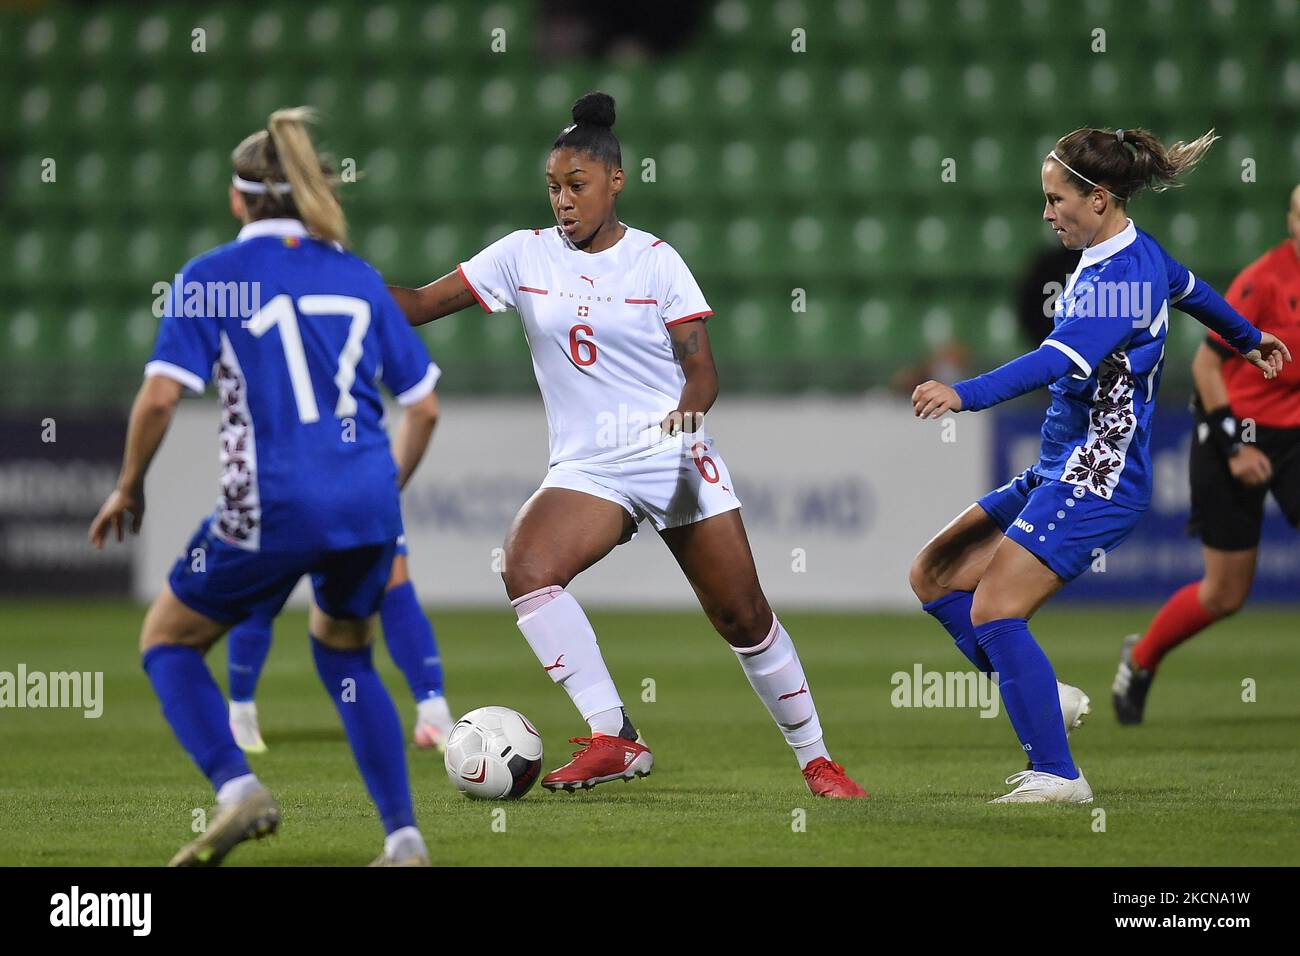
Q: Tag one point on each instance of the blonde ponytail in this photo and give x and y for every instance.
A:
(309, 186)
(284, 153)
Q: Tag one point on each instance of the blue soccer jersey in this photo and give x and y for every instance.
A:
(1111, 322)
(298, 334)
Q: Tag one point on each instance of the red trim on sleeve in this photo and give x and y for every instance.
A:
(524, 288)
(473, 291)
(655, 243)
(641, 301)
(687, 318)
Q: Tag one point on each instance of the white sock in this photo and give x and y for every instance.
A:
(243, 708)
(237, 788)
(433, 710)
(561, 636)
(404, 842)
(777, 677)
(607, 721)
(807, 753)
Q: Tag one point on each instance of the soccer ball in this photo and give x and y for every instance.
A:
(494, 753)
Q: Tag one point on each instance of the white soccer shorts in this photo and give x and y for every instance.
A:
(675, 485)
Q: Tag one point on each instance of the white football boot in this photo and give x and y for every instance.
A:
(1034, 786)
(1075, 705)
(404, 848)
(433, 724)
(243, 724)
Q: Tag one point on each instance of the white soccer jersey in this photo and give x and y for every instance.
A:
(597, 325)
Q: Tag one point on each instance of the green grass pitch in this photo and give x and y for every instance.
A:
(1209, 779)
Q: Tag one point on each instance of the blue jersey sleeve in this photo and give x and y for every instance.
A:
(1198, 299)
(1038, 368)
(408, 373)
(188, 338)
(1100, 317)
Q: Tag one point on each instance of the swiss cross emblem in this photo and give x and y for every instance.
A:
(584, 311)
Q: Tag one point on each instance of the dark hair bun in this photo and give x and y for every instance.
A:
(594, 109)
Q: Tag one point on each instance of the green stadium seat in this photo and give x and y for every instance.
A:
(36, 255)
(33, 335)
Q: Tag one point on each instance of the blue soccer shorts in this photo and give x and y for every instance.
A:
(1064, 525)
(228, 584)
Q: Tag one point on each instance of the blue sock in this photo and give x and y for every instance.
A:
(411, 641)
(193, 705)
(953, 612)
(373, 729)
(1029, 693)
(250, 642)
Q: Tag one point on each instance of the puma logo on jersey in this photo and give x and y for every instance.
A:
(1023, 525)
(589, 279)
(801, 690)
(551, 667)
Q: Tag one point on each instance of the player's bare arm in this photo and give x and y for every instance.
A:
(691, 348)
(151, 413)
(1207, 373)
(413, 434)
(435, 300)
(1248, 464)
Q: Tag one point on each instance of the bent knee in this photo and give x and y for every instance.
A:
(744, 624)
(921, 578)
(524, 576)
(1223, 600)
(987, 605)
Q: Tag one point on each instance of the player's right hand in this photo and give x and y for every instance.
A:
(113, 515)
(1270, 355)
(1251, 466)
(932, 399)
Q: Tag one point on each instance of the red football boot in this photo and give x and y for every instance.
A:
(602, 758)
(826, 778)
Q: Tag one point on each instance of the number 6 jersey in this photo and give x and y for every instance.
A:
(297, 333)
(597, 326)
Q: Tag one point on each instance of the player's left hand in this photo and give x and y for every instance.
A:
(1270, 355)
(113, 515)
(678, 421)
(933, 399)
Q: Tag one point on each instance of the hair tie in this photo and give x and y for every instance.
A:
(259, 189)
(1119, 135)
(1052, 155)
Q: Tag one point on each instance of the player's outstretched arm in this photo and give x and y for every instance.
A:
(440, 297)
(694, 354)
(150, 415)
(1046, 364)
(1213, 311)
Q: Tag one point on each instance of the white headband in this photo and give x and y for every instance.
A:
(249, 186)
(1053, 155)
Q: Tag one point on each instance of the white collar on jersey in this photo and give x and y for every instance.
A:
(568, 243)
(1114, 244)
(272, 227)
